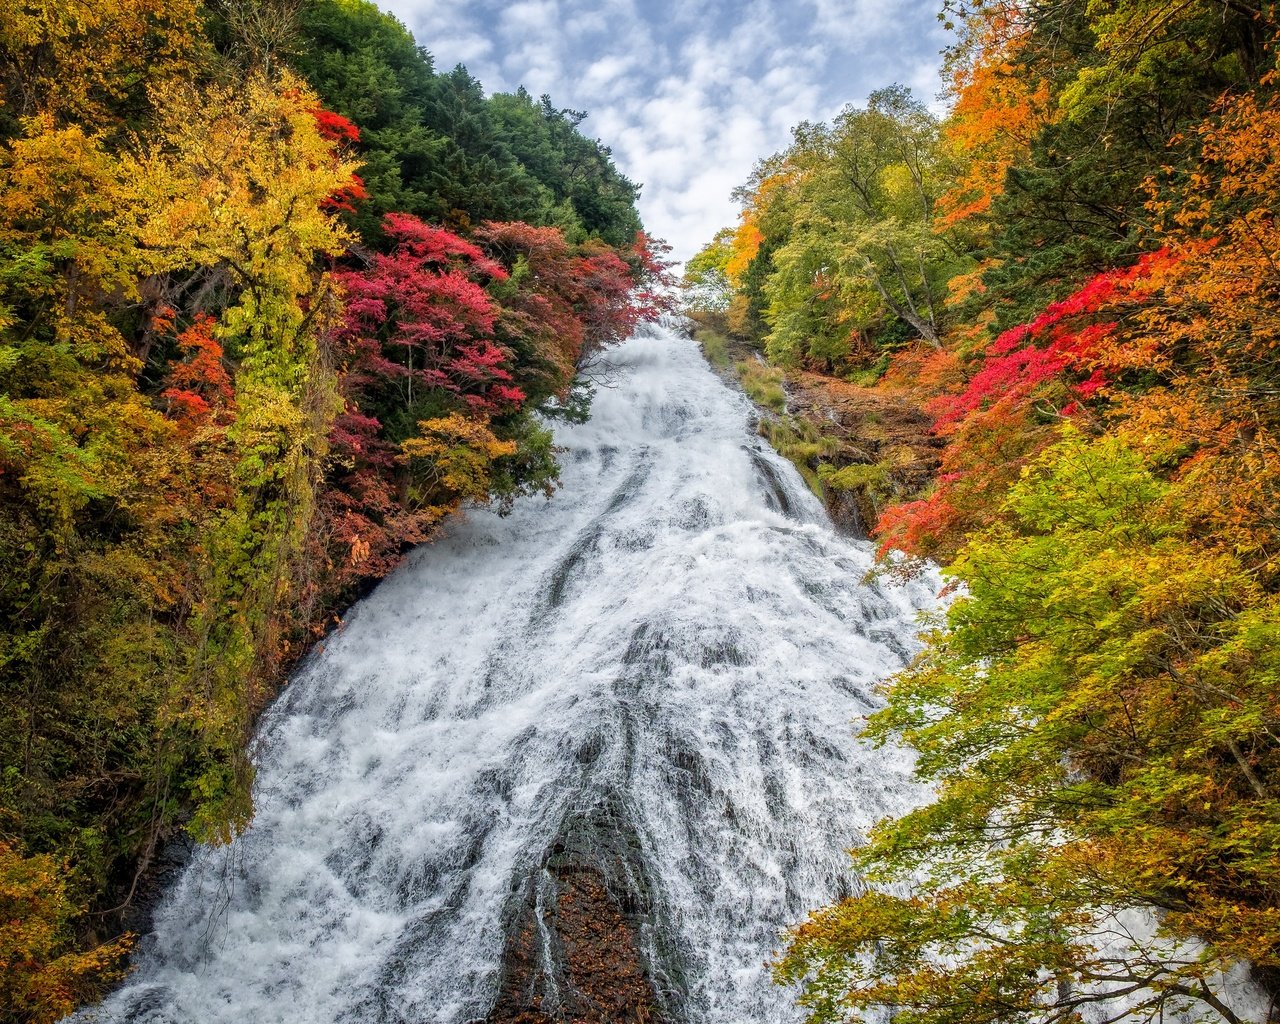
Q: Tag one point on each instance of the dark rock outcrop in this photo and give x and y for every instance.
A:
(583, 947)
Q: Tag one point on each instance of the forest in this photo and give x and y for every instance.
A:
(1072, 273)
(276, 297)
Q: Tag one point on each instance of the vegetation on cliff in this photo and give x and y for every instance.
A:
(275, 297)
(1074, 274)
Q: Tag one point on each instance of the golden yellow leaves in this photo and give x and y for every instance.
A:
(83, 59)
(64, 216)
(237, 176)
(459, 454)
(39, 983)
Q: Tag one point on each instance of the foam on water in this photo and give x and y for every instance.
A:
(678, 630)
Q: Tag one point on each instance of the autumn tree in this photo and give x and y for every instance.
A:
(1001, 103)
(415, 344)
(706, 280)
(862, 249)
(463, 339)
(41, 980)
(1097, 710)
(240, 180)
(1104, 825)
(92, 63)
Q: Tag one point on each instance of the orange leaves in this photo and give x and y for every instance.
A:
(747, 237)
(39, 981)
(199, 387)
(1222, 218)
(743, 247)
(345, 198)
(360, 550)
(999, 108)
(1212, 334)
(928, 371)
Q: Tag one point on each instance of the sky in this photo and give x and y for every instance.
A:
(688, 95)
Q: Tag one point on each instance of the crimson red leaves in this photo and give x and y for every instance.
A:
(1032, 375)
(442, 326)
(199, 388)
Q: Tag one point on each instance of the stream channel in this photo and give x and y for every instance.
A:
(609, 734)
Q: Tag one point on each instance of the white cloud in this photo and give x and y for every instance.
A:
(529, 16)
(688, 96)
(465, 48)
(606, 70)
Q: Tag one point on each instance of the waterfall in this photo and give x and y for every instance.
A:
(664, 664)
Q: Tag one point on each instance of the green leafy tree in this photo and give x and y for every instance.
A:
(1098, 716)
(707, 288)
(433, 145)
(591, 197)
(861, 249)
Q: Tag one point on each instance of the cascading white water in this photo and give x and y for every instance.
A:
(679, 631)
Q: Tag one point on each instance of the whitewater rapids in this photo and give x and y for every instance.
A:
(679, 631)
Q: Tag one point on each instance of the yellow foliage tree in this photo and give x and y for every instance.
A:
(92, 61)
(452, 461)
(238, 180)
(39, 983)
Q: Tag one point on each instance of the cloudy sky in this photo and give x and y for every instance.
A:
(688, 94)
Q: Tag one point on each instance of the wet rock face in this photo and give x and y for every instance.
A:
(575, 961)
(884, 429)
(850, 511)
(143, 883)
(580, 948)
(879, 427)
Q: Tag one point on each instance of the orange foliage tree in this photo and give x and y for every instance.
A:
(999, 106)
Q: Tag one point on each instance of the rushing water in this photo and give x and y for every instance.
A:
(678, 632)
